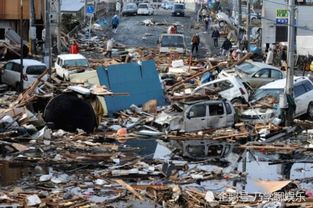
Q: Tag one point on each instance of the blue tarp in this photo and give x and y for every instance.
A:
(141, 82)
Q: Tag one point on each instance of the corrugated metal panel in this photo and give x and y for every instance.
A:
(140, 82)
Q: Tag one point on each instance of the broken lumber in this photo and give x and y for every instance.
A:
(129, 188)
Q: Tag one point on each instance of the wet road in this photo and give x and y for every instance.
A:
(134, 33)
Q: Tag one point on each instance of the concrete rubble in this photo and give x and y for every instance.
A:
(87, 159)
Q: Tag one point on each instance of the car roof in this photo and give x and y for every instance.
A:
(71, 56)
(28, 62)
(177, 34)
(260, 64)
(143, 4)
(281, 83)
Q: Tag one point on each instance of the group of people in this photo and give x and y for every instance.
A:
(277, 55)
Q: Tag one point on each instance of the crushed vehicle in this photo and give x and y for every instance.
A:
(256, 74)
(172, 43)
(129, 9)
(230, 88)
(67, 64)
(199, 115)
(12, 70)
(271, 95)
(223, 19)
(178, 9)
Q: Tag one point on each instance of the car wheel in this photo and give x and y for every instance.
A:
(19, 87)
(222, 23)
(310, 111)
(236, 101)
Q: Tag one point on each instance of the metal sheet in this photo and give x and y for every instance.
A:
(140, 81)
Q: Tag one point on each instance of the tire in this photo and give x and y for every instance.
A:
(310, 111)
(18, 87)
(222, 23)
(236, 101)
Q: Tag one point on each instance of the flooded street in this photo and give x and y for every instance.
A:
(176, 109)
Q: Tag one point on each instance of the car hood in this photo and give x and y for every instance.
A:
(258, 111)
(259, 115)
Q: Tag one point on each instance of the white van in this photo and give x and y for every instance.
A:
(172, 43)
(11, 73)
(67, 64)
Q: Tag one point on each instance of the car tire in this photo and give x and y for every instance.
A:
(310, 111)
(222, 23)
(236, 101)
(18, 87)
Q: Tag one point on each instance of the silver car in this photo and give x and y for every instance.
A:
(257, 74)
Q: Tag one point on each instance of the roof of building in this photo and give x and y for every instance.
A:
(72, 5)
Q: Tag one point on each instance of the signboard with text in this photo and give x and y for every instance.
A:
(282, 16)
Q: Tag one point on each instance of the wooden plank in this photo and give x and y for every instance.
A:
(129, 188)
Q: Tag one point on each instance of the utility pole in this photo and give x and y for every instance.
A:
(22, 44)
(290, 59)
(58, 27)
(239, 14)
(248, 23)
(32, 28)
(85, 12)
(47, 58)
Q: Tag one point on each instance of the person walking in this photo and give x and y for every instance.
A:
(172, 29)
(195, 40)
(207, 22)
(226, 46)
(215, 36)
(283, 58)
(269, 57)
(115, 23)
(108, 52)
(74, 49)
(118, 7)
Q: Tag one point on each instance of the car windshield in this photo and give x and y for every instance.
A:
(263, 93)
(143, 6)
(76, 62)
(178, 6)
(172, 41)
(248, 68)
(35, 70)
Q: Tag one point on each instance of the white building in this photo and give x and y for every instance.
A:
(274, 20)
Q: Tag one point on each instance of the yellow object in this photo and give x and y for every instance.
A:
(311, 66)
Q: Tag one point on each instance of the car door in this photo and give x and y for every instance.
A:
(5, 73)
(59, 67)
(216, 115)
(307, 97)
(195, 117)
(259, 78)
(300, 98)
(276, 74)
(12, 74)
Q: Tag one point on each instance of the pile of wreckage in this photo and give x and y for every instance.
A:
(67, 143)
